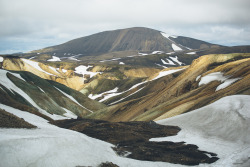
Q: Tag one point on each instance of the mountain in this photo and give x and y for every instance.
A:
(124, 42)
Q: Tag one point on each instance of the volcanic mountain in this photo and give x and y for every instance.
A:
(125, 42)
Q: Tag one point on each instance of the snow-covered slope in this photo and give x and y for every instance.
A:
(222, 127)
(49, 145)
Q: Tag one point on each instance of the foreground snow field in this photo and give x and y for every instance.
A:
(222, 127)
(52, 146)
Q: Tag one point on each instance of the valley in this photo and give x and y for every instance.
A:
(132, 97)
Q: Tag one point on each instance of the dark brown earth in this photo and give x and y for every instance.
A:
(8, 120)
(104, 164)
(131, 139)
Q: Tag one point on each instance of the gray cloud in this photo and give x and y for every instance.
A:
(55, 21)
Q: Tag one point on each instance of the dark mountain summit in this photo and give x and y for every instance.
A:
(136, 39)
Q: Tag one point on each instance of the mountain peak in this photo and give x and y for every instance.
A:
(135, 39)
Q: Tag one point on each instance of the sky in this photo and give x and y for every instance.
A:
(27, 25)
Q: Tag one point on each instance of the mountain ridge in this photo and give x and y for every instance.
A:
(138, 39)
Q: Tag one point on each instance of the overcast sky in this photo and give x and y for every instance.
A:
(27, 25)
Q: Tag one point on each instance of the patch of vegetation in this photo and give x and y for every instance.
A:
(8, 120)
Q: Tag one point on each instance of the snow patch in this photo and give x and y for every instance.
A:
(1, 59)
(126, 96)
(74, 58)
(83, 70)
(164, 73)
(113, 92)
(91, 96)
(157, 52)
(191, 53)
(169, 62)
(35, 65)
(121, 63)
(54, 69)
(109, 95)
(63, 70)
(71, 98)
(165, 35)
(54, 58)
(176, 60)
(142, 54)
(41, 89)
(198, 77)
(18, 76)
(69, 114)
(175, 47)
(216, 76)
(32, 57)
(221, 127)
(227, 83)
(170, 53)
(174, 36)
(161, 65)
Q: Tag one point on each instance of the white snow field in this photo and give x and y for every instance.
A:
(52, 146)
(54, 58)
(222, 127)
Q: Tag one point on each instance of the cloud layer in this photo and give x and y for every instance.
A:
(28, 24)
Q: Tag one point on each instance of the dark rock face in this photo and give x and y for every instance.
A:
(104, 164)
(131, 139)
(108, 164)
